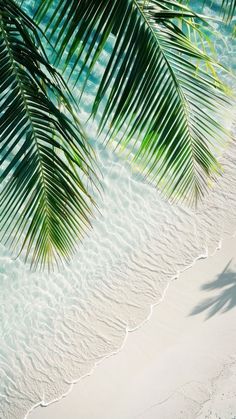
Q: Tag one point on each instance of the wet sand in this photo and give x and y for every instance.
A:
(181, 364)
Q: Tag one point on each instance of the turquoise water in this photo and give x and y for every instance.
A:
(55, 328)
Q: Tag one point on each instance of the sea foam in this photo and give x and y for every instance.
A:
(56, 327)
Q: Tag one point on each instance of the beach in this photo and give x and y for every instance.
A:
(180, 364)
(139, 268)
(139, 322)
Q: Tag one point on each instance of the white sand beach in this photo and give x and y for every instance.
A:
(181, 364)
(57, 327)
(118, 176)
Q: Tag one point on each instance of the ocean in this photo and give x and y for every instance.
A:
(56, 327)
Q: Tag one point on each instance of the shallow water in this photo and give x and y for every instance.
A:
(55, 328)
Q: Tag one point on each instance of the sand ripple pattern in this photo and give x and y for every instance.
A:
(55, 328)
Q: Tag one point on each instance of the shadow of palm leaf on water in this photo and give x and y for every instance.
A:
(225, 299)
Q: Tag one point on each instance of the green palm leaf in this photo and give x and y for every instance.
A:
(155, 88)
(45, 159)
(228, 9)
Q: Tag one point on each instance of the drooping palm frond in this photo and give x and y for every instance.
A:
(45, 160)
(155, 90)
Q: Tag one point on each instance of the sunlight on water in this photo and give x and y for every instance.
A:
(55, 328)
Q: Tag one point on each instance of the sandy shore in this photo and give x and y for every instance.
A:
(180, 365)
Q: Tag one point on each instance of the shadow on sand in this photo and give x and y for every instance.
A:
(225, 300)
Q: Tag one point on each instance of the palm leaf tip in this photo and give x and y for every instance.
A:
(46, 160)
(226, 8)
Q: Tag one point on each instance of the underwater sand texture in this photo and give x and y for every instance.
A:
(56, 327)
(181, 364)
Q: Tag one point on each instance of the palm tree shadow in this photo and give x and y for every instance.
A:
(225, 300)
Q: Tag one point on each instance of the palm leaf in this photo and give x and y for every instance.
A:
(45, 159)
(155, 88)
(226, 8)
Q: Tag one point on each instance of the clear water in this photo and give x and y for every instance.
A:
(55, 328)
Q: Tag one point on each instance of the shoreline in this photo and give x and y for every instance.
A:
(90, 312)
(55, 409)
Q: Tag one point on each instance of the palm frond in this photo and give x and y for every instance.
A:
(155, 88)
(227, 8)
(45, 159)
